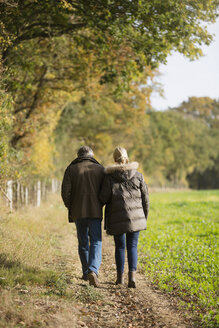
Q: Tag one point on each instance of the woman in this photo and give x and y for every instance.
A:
(127, 203)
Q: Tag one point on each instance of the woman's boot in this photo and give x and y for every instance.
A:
(120, 278)
(132, 282)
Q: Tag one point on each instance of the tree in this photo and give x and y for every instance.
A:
(102, 120)
(173, 146)
(205, 110)
(9, 157)
(151, 28)
(51, 51)
(201, 108)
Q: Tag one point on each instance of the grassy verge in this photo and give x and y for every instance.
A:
(180, 249)
(27, 240)
(35, 290)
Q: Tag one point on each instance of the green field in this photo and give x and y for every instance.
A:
(179, 251)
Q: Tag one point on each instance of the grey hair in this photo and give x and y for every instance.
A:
(85, 151)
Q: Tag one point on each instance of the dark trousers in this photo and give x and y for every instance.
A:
(129, 241)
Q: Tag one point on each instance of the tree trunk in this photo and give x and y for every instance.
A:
(22, 195)
(38, 194)
(43, 190)
(17, 194)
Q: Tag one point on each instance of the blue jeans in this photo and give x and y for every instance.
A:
(89, 244)
(130, 240)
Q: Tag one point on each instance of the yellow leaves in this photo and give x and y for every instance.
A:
(42, 155)
(37, 143)
(50, 75)
(103, 142)
(17, 175)
(66, 4)
(169, 156)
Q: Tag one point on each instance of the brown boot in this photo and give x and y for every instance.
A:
(132, 282)
(120, 278)
(93, 281)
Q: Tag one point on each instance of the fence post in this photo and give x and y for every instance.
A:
(53, 186)
(17, 194)
(10, 194)
(38, 193)
(26, 195)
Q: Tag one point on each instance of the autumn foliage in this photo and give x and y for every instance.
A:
(75, 72)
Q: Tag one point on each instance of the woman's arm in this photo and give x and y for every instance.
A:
(144, 196)
(105, 191)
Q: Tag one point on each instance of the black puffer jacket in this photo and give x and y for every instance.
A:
(126, 197)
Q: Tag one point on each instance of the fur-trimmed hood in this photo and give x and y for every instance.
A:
(121, 167)
(122, 172)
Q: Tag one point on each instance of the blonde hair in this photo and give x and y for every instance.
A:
(120, 155)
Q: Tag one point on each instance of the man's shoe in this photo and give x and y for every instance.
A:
(93, 281)
(132, 282)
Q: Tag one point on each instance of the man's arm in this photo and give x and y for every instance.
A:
(66, 188)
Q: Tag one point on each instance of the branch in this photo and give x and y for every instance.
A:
(11, 3)
(36, 96)
(16, 138)
(41, 34)
(5, 195)
(20, 109)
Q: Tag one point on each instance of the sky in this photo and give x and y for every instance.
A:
(182, 78)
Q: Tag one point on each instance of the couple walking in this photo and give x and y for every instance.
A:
(86, 188)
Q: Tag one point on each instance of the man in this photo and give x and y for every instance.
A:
(80, 189)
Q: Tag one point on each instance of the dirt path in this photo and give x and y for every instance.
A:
(70, 302)
(116, 306)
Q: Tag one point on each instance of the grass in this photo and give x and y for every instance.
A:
(30, 268)
(37, 286)
(88, 294)
(13, 273)
(27, 311)
(179, 251)
(27, 244)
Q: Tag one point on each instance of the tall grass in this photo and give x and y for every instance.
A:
(180, 249)
(27, 239)
(31, 282)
